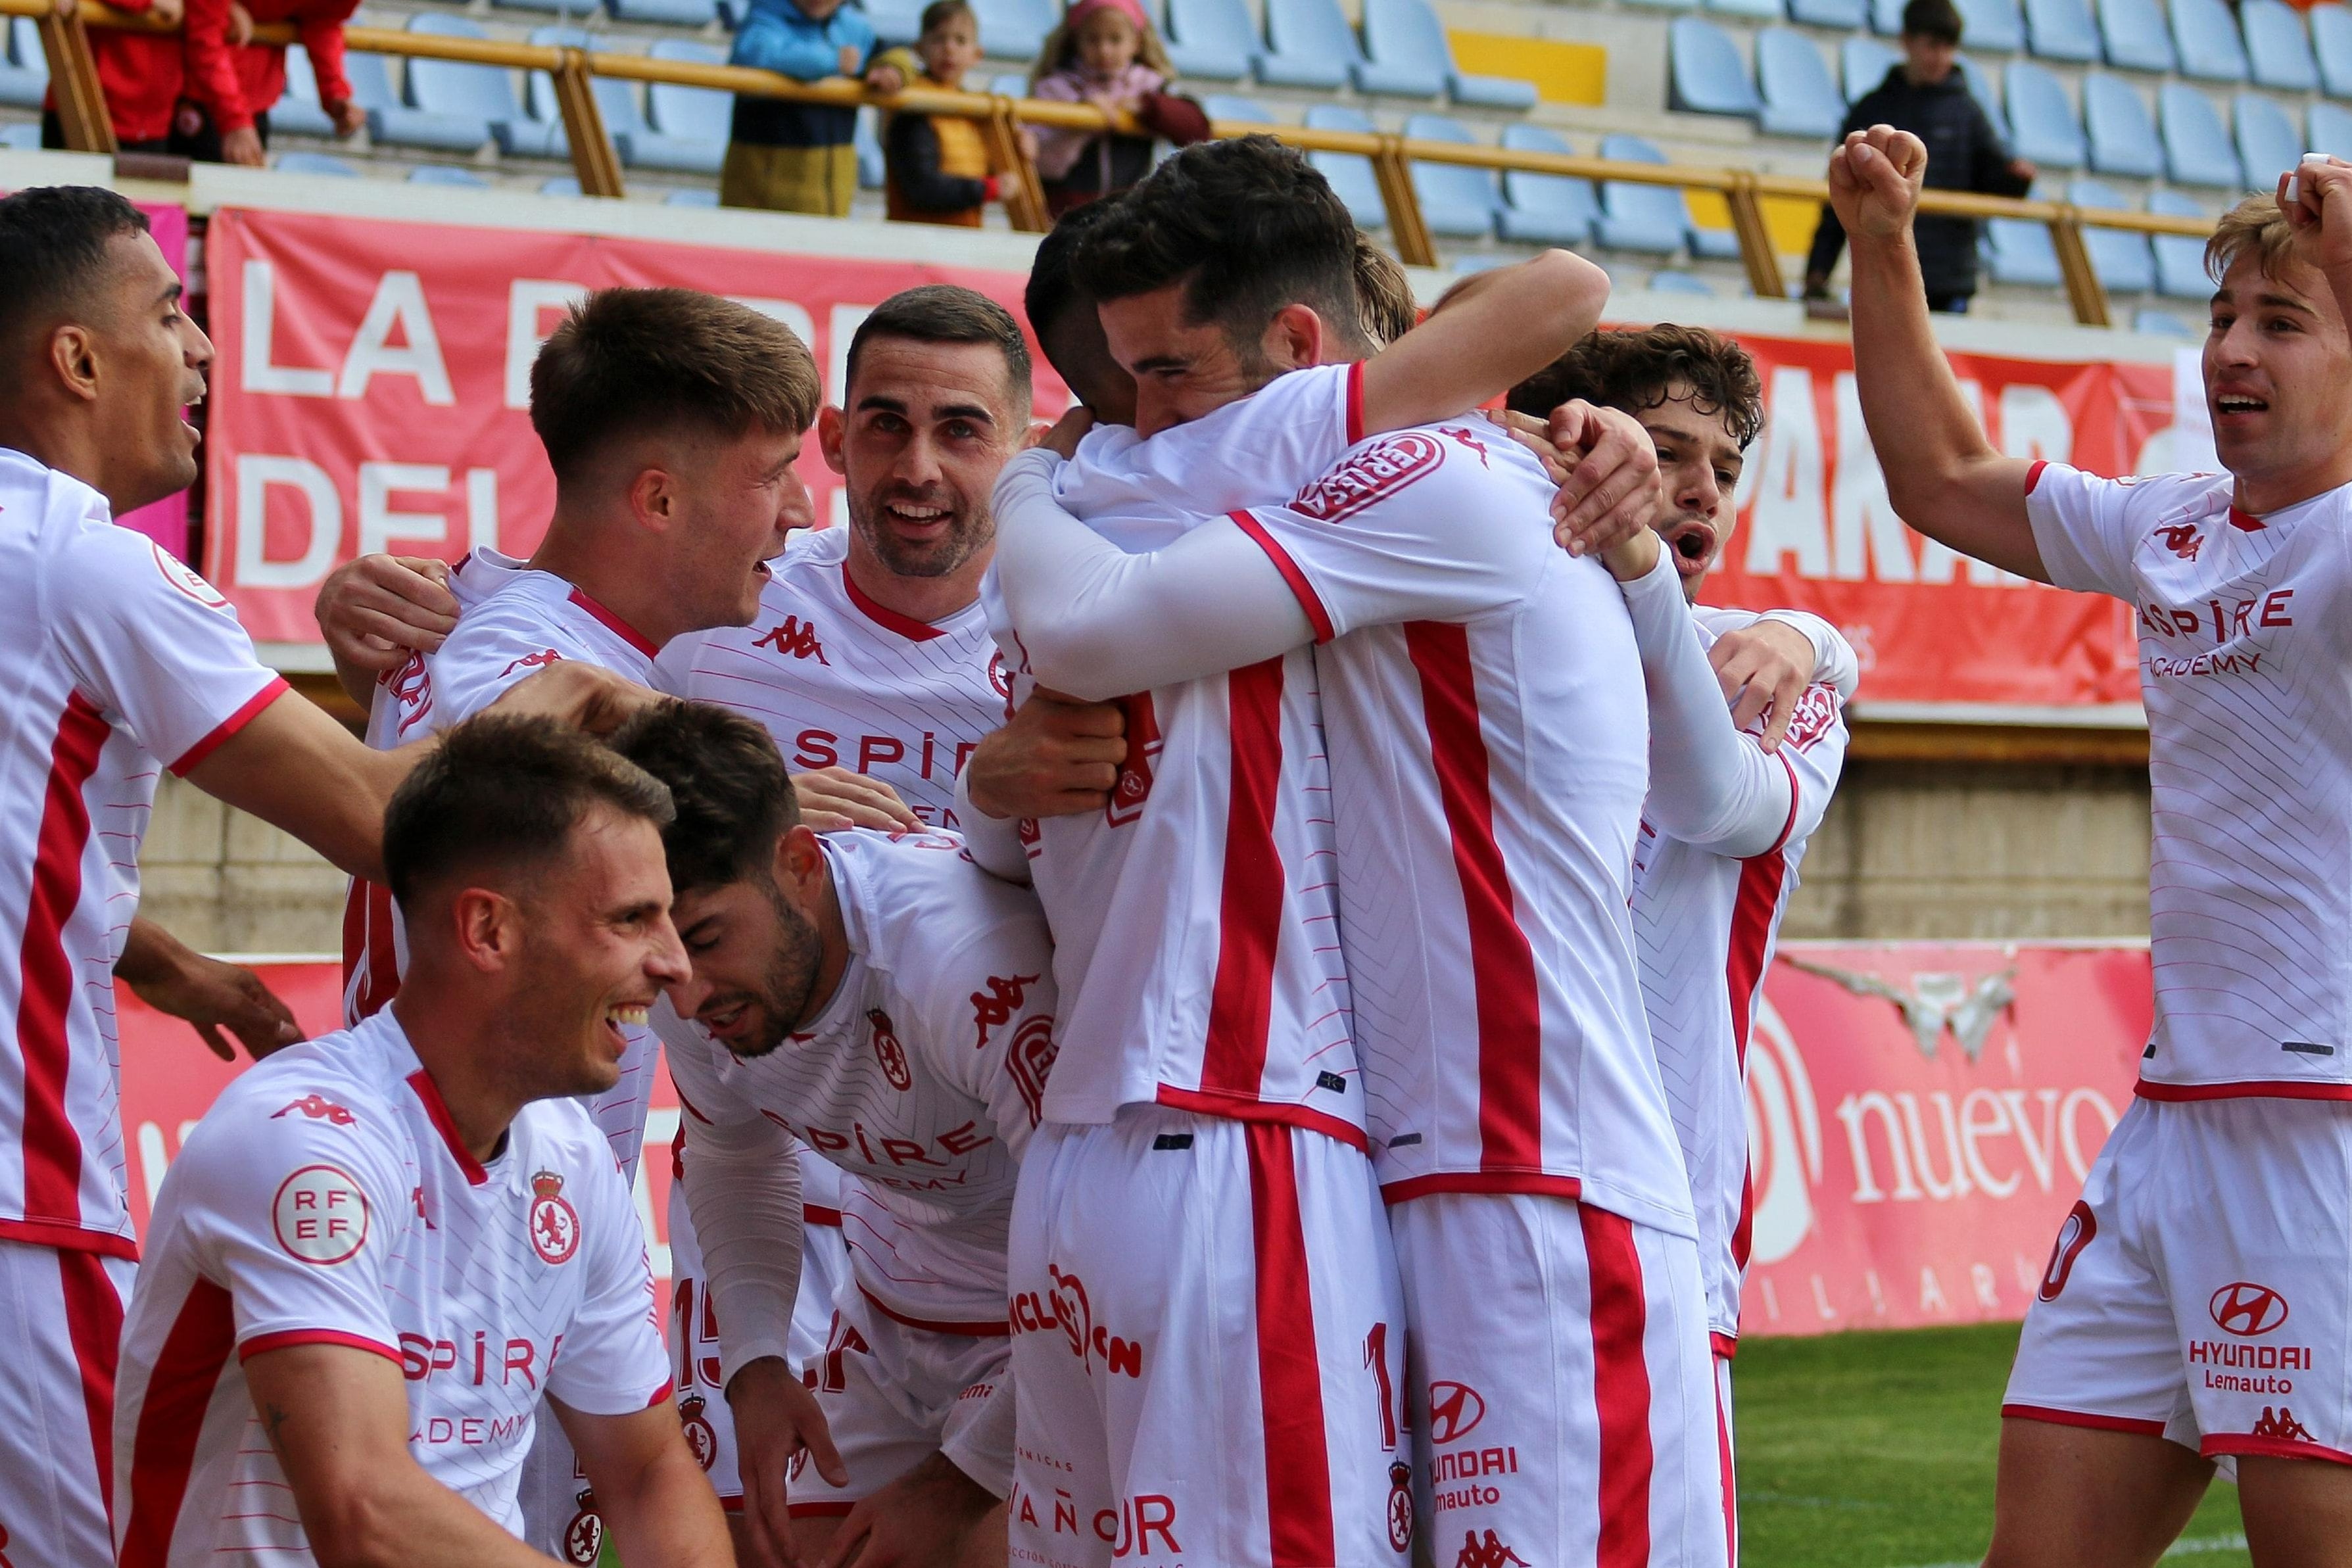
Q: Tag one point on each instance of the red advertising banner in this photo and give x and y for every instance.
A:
(1922, 1118)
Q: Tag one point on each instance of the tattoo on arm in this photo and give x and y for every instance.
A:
(272, 1418)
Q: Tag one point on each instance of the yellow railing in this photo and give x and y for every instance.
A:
(81, 111)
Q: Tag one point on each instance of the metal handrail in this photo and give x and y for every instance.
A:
(81, 113)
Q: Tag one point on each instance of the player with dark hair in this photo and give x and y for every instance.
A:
(379, 1256)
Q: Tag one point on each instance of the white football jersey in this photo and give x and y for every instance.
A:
(121, 661)
(922, 1078)
(2250, 745)
(1195, 920)
(324, 1200)
(527, 622)
(1704, 927)
(843, 682)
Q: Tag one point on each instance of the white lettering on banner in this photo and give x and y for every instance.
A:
(1786, 517)
(1931, 1292)
(1988, 1287)
(257, 474)
(528, 300)
(260, 336)
(399, 305)
(1865, 1183)
(1861, 519)
(481, 508)
(2077, 1155)
(379, 524)
(1982, 1113)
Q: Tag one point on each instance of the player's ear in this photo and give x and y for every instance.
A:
(832, 431)
(653, 498)
(1295, 338)
(73, 355)
(488, 928)
(800, 863)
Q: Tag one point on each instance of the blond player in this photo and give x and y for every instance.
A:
(2198, 1305)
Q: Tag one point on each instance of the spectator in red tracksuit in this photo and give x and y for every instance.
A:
(232, 82)
(140, 75)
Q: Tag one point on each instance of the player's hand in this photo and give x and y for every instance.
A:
(2321, 213)
(777, 1422)
(1611, 490)
(240, 24)
(918, 1520)
(208, 994)
(243, 146)
(167, 13)
(1057, 757)
(349, 117)
(1874, 177)
(1535, 435)
(581, 695)
(832, 799)
(1764, 669)
(373, 610)
(1063, 436)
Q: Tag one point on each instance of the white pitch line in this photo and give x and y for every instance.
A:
(2201, 1547)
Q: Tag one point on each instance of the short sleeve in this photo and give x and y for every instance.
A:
(150, 640)
(1299, 423)
(613, 1362)
(987, 1008)
(1432, 524)
(481, 659)
(2082, 527)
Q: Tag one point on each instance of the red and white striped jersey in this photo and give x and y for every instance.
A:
(2244, 673)
(922, 1078)
(527, 621)
(121, 661)
(1705, 926)
(843, 682)
(1195, 919)
(324, 1200)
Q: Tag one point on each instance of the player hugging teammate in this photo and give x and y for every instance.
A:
(1207, 961)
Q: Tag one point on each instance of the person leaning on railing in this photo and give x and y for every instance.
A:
(938, 166)
(231, 81)
(796, 157)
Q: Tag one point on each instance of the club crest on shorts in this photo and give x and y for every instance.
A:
(1373, 471)
(583, 1537)
(1400, 1505)
(554, 1224)
(699, 1436)
(888, 1052)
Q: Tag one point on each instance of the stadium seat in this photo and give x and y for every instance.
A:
(539, 133)
(1407, 31)
(1668, 5)
(685, 129)
(1292, 60)
(1456, 201)
(2020, 251)
(455, 105)
(2197, 149)
(896, 22)
(2135, 35)
(314, 163)
(393, 124)
(1993, 26)
(2061, 30)
(2205, 36)
(1009, 84)
(25, 136)
(1014, 29)
(2119, 256)
(445, 175)
(692, 196)
(1752, 10)
(2268, 142)
(2330, 128)
(24, 68)
(1652, 219)
(873, 173)
(2042, 126)
(1212, 40)
(1863, 64)
(2123, 137)
(667, 13)
(2331, 42)
(1351, 174)
(1886, 16)
(1248, 110)
(1845, 15)
(296, 110)
(1674, 280)
(1982, 83)
(1544, 209)
(1316, 27)
(1800, 97)
(2278, 51)
(2179, 259)
(1705, 73)
(560, 185)
(2163, 324)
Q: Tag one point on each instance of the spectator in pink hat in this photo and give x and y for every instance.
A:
(1106, 54)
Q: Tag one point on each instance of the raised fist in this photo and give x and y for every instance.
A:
(1875, 179)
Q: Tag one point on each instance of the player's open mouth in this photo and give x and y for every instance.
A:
(723, 1021)
(1694, 545)
(912, 518)
(2226, 404)
(632, 1015)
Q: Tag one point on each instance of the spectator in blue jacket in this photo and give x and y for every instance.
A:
(796, 157)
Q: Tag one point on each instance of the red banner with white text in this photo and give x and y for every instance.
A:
(372, 385)
(1922, 1118)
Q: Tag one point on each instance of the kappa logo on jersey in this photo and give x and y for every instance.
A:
(2183, 539)
(1487, 1553)
(1030, 1058)
(1456, 433)
(2072, 1237)
(793, 638)
(2280, 1425)
(700, 1435)
(1143, 746)
(1367, 474)
(583, 1537)
(2245, 1309)
(175, 572)
(998, 1003)
(319, 1108)
(554, 1223)
(1817, 709)
(320, 1215)
(538, 661)
(888, 1052)
(1454, 1408)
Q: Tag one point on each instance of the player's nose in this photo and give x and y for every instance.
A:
(666, 960)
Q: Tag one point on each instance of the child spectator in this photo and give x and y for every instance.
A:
(796, 157)
(232, 82)
(1106, 52)
(939, 170)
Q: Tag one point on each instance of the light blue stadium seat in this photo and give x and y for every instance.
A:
(1230, 106)
(1351, 174)
(1668, 5)
(569, 8)
(2330, 128)
(1652, 219)
(1544, 209)
(1705, 73)
(1845, 15)
(1009, 84)
(24, 68)
(2278, 51)
(895, 21)
(2120, 257)
(2122, 134)
(2042, 126)
(1014, 29)
(2061, 30)
(1993, 25)
(1863, 64)
(453, 105)
(2197, 149)
(296, 110)
(667, 13)
(2205, 36)
(1987, 88)
(1752, 10)
(445, 175)
(1294, 58)
(539, 133)
(1402, 32)
(685, 128)
(25, 136)
(2135, 35)
(2331, 42)
(1212, 40)
(1887, 17)
(1456, 201)
(1316, 27)
(691, 196)
(2269, 144)
(865, 135)
(314, 163)
(2020, 251)
(2163, 324)
(1800, 97)
(560, 185)
(397, 125)
(1674, 280)
(2179, 259)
